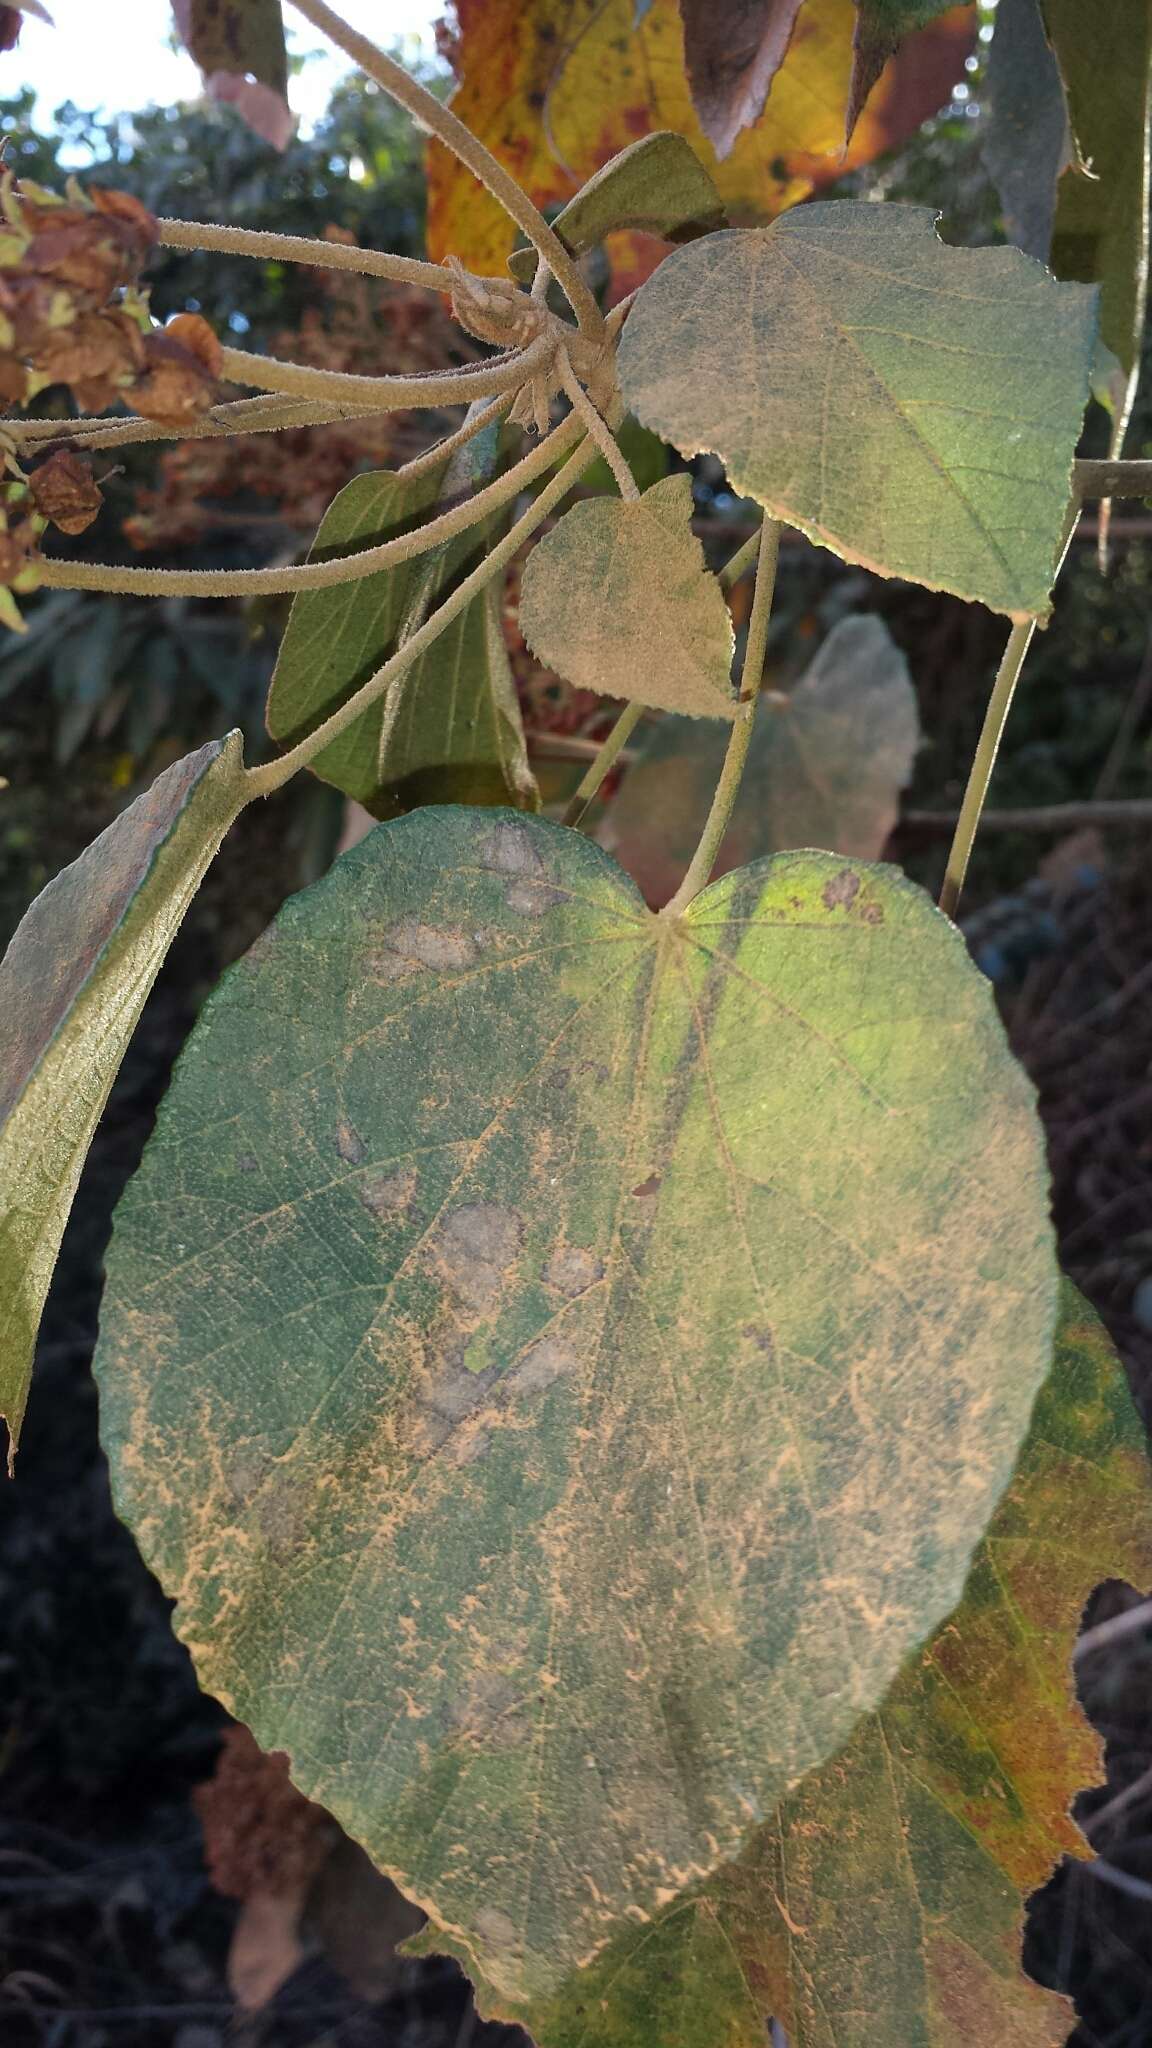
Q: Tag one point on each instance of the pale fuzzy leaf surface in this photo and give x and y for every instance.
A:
(825, 768)
(450, 728)
(72, 985)
(657, 185)
(617, 598)
(546, 1358)
(885, 1901)
(1027, 141)
(1101, 230)
(732, 52)
(911, 406)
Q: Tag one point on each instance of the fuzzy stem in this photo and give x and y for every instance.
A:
(389, 394)
(704, 859)
(739, 564)
(198, 234)
(984, 761)
(440, 121)
(599, 429)
(605, 760)
(262, 781)
(131, 582)
(240, 416)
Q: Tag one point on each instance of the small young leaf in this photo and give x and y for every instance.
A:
(657, 185)
(732, 53)
(1027, 140)
(72, 985)
(617, 599)
(825, 768)
(450, 728)
(1101, 232)
(559, 87)
(561, 1360)
(886, 1899)
(911, 406)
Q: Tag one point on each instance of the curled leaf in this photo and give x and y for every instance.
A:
(617, 599)
(65, 492)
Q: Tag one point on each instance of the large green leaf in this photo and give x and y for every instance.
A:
(72, 985)
(658, 185)
(825, 768)
(912, 406)
(561, 1359)
(617, 598)
(885, 1901)
(449, 729)
(1101, 230)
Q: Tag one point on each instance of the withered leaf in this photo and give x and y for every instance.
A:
(733, 50)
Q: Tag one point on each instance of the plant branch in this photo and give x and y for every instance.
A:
(1071, 817)
(605, 759)
(980, 774)
(132, 582)
(598, 428)
(271, 776)
(240, 416)
(198, 234)
(440, 121)
(756, 646)
(1118, 479)
(739, 564)
(389, 394)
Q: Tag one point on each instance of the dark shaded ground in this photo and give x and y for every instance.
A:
(110, 1933)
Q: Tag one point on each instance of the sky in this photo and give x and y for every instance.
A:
(116, 56)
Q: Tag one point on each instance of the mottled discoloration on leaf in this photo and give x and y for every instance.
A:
(911, 406)
(886, 1899)
(558, 87)
(733, 50)
(617, 599)
(825, 768)
(449, 729)
(657, 185)
(662, 1409)
(72, 985)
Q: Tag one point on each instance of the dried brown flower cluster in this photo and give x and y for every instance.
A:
(71, 311)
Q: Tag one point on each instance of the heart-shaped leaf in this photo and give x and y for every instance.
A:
(617, 599)
(657, 185)
(561, 1359)
(825, 768)
(72, 985)
(885, 1901)
(912, 406)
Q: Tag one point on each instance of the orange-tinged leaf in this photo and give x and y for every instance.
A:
(557, 87)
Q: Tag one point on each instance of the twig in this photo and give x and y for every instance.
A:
(132, 582)
(390, 394)
(1041, 817)
(606, 755)
(980, 774)
(202, 234)
(273, 774)
(727, 789)
(240, 416)
(599, 429)
(440, 121)
(739, 564)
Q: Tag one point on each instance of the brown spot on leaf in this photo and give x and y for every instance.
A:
(350, 1145)
(388, 1194)
(842, 889)
(477, 1245)
(572, 1270)
(544, 1362)
(409, 946)
(649, 1186)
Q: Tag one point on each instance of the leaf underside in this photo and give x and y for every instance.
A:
(617, 599)
(657, 186)
(545, 1357)
(912, 406)
(72, 985)
(825, 768)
